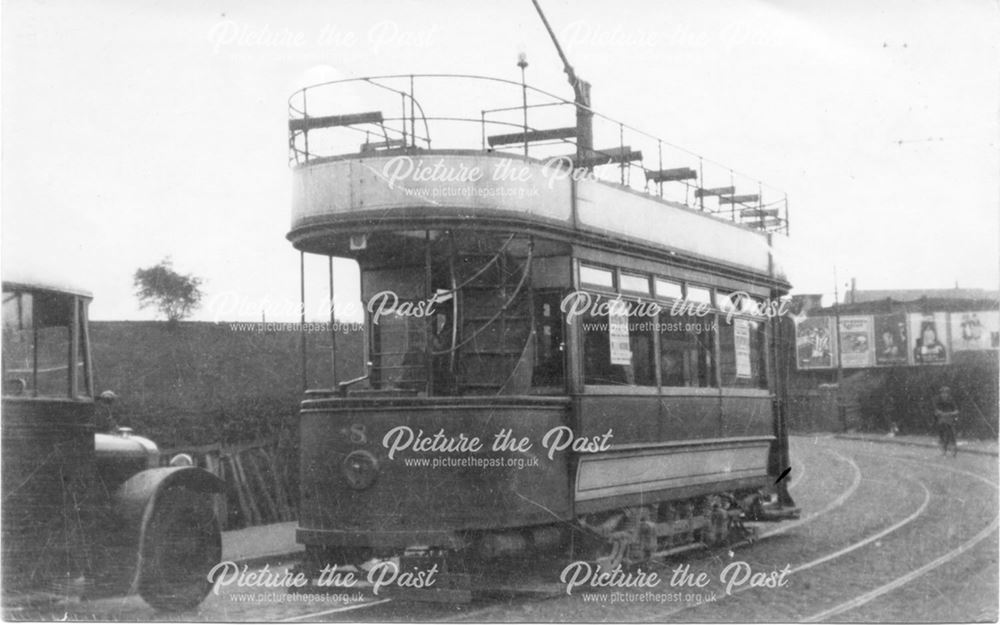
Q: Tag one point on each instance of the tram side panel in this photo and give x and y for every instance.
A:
(355, 495)
(670, 448)
(675, 442)
(747, 415)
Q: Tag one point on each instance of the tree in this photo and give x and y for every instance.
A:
(174, 294)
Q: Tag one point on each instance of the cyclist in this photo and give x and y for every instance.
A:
(945, 417)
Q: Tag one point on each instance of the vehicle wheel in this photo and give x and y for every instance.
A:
(182, 544)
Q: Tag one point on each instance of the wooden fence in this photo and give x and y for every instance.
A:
(259, 484)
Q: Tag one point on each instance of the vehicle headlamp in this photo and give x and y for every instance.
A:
(182, 460)
(360, 468)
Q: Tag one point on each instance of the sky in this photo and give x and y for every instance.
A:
(138, 130)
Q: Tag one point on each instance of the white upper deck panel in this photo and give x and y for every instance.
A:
(471, 185)
(420, 114)
(617, 212)
(445, 184)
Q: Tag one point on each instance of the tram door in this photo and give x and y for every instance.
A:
(550, 342)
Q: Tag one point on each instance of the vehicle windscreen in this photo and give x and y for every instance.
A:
(37, 334)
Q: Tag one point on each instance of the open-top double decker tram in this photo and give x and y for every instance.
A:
(569, 342)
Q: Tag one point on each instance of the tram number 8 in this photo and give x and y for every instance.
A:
(358, 435)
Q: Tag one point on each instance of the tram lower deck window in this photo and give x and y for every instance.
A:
(399, 353)
(597, 277)
(602, 365)
(742, 348)
(687, 350)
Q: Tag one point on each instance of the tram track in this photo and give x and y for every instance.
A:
(840, 500)
(913, 574)
(921, 509)
(833, 505)
(337, 610)
(864, 598)
(799, 475)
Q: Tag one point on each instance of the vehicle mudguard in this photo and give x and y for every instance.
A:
(134, 502)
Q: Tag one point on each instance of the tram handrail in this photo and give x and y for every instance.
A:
(342, 386)
(754, 203)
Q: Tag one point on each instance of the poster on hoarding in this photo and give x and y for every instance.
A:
(815, 343)
(741, 340)
(890, 340)
(621, 351)
(856, 342)
(975, 331)
(929, 338)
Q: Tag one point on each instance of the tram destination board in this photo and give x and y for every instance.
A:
(493, 313)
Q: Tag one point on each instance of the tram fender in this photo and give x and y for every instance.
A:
(134, 503)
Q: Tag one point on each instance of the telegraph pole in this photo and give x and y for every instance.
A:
(841, 409)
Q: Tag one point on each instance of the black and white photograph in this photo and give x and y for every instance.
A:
(487, 312)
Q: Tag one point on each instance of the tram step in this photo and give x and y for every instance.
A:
(775, 514)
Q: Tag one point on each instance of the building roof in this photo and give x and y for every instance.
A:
(899, 300)
(913, 295)
(27, 282)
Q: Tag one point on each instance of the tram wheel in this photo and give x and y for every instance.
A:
(622, 540)
(620, 550)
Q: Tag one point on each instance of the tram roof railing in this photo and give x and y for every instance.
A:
(345, 118)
